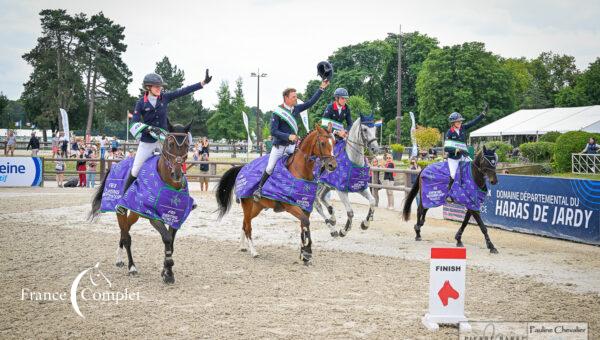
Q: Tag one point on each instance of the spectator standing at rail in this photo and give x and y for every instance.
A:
(59, 166)
(55, 145)
(388, 180)
(11, 143)
(204, 171)
(81, 168)
(34, 144)
(103, 142)
(591, 147)
(91, 171)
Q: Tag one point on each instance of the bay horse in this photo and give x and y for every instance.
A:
(318, 144)
(483, 166)
(170, 168)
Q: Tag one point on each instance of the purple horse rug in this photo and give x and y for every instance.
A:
(434, 186)
(281, 186)
(148, 195)
(347, 176)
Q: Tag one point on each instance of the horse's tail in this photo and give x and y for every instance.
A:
(97, 200)
(409, 198)
(224, 189)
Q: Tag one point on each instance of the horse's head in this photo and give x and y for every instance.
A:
(175, 149)
(321, 142)
(486, 161)
(364, 133)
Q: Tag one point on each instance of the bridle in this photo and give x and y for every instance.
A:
(175, 159)
(359, 146)
(312, 158)
(492, 163)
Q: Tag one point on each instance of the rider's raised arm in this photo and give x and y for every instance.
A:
(470, 124)
(306, 105)
(168, 96)
(348, 118)
(275, 131)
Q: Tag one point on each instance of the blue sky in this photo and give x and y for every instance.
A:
(286, 38)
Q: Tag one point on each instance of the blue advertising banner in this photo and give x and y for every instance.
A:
(556, 207)
(20, 171)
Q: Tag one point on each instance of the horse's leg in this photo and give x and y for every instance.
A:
(243, 244)
(251, 210)
(483, 228)
(346, 200)
(319, 204)
(167, 238)
(125, 223)
(306, 241)
(331, 221)
(372, 203)
(421, 212)
(458, 236)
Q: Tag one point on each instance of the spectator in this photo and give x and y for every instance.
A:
(413, 166)
(591, 147)
(131, 153)
(376, 180)
(204, 172)
(81, 169)
(432, 153)
(103, 142)
(59, 166)
(204, 147)
(64, 144)
(114, 145)
(11, 143)
(74, 147)
(34, 144)
(388, 180)
(91, 175)
(55, 145)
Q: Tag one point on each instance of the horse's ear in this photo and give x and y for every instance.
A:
(169, 126)
(189, 126)
(329, 127)
(484, 148)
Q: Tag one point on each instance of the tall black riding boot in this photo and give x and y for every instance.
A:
(448, 198)
(258, 192)
(130, 179)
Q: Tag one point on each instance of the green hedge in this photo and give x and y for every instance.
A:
(551, 136)
(568, 143)
(537, 151)
(503, 149)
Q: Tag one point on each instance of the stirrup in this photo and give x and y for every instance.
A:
(257, 194)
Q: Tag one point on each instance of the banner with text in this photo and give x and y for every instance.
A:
(556, 207)
(20, 171)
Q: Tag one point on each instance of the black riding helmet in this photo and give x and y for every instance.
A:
(325, 70)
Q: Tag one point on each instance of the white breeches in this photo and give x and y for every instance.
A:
(144, 151)
(453, 164)
(276, 153)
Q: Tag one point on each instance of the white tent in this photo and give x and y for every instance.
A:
(539, 121)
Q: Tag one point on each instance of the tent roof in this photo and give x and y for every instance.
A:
(540, 121)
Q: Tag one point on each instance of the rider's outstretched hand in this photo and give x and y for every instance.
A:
(207, 78)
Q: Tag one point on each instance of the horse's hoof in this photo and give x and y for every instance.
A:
(133, 271)
(334, 234)
(418, 238)
(255, 255)
(494, 251)
(363, 226)
(243, 250)
(342, 233)
(459, 244)
(120, 264)
(168, 279)
(330, 223)
(306, 257)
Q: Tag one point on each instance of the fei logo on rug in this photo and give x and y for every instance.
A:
(20, 171)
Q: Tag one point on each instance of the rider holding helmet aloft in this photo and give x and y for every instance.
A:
(149, 121)
(338, 112)
(284, 123)
(455, 143)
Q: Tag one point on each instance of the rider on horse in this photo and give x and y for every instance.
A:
(284, 125)
(284, 129)
(338, 112)
(149, 120)
(455, 144)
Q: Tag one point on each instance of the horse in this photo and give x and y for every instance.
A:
(483, 166)
(360, 137)
(170, 168)
(318, 144)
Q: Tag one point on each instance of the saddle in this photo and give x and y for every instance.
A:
(347, 176)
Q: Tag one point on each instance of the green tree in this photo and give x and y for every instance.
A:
(4, 117)
(226, 123)
(461, 78)
(590, 83)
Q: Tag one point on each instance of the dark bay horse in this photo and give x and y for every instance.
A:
(483, 166)
(170, 168)
(317, 144)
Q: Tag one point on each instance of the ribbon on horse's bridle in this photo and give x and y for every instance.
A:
(178, 159)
